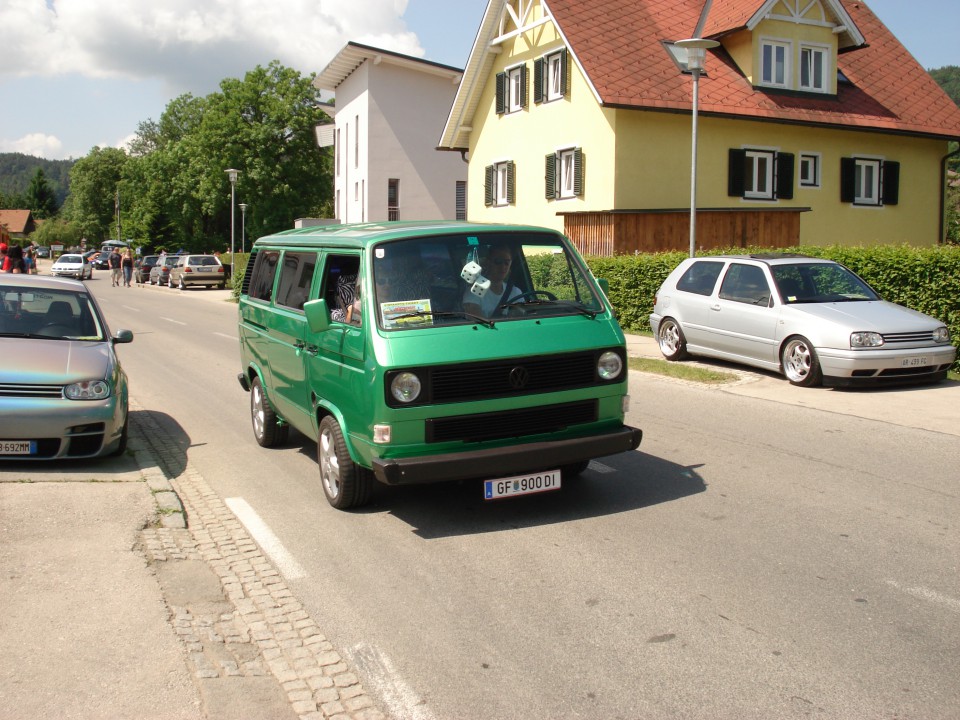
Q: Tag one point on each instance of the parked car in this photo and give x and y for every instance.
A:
(72, 265)
(160, 273)
(197, 270)
(143, 266)
(64, 392)
(811, 319)
(43, 251)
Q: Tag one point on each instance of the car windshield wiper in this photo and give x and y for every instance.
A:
(580, 308)
(445, 313)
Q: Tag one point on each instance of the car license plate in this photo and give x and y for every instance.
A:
(521, 485)
(204, 269)
(914, 361)
(18, 447)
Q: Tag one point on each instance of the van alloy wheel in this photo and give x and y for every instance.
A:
(345, 483)
(266, 429)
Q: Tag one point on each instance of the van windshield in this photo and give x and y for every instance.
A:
(488, 277)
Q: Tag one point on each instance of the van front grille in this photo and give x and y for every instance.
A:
(511, 423)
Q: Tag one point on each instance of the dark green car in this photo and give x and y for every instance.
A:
(428, 352)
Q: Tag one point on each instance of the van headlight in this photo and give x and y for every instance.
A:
(609, 366)
(405, 387)
(865, 339)
(87, 390)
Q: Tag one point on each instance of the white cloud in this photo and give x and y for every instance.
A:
(36, 144)
(191, 46)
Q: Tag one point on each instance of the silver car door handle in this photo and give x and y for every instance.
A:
(715, 306)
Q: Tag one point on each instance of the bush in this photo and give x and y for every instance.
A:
(925, 279)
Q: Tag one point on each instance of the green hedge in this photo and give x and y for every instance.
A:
(925, 279)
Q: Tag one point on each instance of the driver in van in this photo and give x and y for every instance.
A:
(496, 268)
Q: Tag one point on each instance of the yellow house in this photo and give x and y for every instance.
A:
(815, 125)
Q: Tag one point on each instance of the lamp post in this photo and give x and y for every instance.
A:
(243, 227)
(696, 55)
(232, 174)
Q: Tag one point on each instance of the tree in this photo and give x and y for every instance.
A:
(57, 231)
(40, 196)
(94, 183)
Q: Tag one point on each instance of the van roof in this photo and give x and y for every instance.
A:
(359, 235)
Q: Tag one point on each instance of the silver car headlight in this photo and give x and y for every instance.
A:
(87, 390)
(941, 335)
(609, 366)
(405, 387)
(865, 339)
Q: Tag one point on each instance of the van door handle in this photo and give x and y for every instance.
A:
(313, 349)
(299, 345)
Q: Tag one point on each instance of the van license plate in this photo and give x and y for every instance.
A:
(18, 447)
(521, 485)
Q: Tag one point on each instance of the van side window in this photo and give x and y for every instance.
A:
(261, 282)
(296, 276)
(341, 287)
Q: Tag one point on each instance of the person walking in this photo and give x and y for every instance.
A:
(126, 264)
(113, 262)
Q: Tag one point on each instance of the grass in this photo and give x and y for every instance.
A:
(681, 371)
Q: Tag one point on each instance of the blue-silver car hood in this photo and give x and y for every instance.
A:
(29, 361)
(877, 316)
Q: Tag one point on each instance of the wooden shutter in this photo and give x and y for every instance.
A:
(489, 179)
(785, 163)
(539, 81)
(523, 85)
(848, 180)
(511, 182)
(891, 183)
(501, 93)
(736, 172)
(550, 176)
(578, 172)
(564, 75)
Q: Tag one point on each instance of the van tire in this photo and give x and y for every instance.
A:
(345, 483)
(264, 420)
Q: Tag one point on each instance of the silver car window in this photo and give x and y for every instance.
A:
(745, 284)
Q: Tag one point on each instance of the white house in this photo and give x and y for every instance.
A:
(390, 110)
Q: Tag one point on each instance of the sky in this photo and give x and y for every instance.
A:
(75, 74)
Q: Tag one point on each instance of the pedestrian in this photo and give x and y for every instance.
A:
(13, 261)
(3, 256)
(126, 264)
(113, 262)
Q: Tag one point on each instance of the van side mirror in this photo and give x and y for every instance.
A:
(604, 285)
(318, 319)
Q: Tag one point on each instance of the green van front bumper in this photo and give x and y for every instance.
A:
(503, 461)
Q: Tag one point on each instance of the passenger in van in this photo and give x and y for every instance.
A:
(496, 266)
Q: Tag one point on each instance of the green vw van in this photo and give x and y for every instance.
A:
(434, 351)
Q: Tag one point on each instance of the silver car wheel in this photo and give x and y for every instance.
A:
(670, 338)
(800, 363)
(329, 465)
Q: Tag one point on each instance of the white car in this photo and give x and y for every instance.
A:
(74, 266)
(811, 319)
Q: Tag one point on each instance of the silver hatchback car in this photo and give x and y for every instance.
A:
(63, 393)
(811, 319)
(193, 270)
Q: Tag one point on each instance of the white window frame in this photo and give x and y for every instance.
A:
(515, 89)
(501, 183)
(868, 183)
(809, 169)
(554, 89)
(567, 172)
(816, 83)
(768, 69)
(757, 174)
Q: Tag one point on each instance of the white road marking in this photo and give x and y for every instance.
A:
(929, 595)
(228, 337)
(177, 322)
(269, 543)
(600, 467)
(132, 309)
(400, 699)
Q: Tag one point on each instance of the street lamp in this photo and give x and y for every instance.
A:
(696, 55)
(232, 174)
(243, 227)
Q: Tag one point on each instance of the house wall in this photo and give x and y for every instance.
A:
(351, 174)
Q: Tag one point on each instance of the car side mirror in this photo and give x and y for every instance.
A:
(122, 336)
(318, 319)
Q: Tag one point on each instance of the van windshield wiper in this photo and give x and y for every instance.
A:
(580, 308)
(445, 313)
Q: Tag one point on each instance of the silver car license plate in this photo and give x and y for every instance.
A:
(18, 447)
(919, 361)
(521, 485)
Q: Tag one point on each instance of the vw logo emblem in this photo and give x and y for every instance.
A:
(519, 377)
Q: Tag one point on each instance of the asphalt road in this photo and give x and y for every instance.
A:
(753, 560)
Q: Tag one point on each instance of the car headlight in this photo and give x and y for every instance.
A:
(865, 339)
(941, 335)
(405, 387)
(87, 390)
(609, 366)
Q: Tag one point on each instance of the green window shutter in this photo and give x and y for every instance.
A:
(501, 93)
(523, 86)
(550, 176)
(511, 182)
(891, 183)
(736, 172)
(564, 75)
(785, 164)
(578, 172)
(539, 67)
(848, 180)
(488, 183)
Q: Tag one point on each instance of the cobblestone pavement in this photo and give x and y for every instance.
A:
(251, 626)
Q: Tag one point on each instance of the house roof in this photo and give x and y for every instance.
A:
(353, 55)
(16, 222)
(618, 46)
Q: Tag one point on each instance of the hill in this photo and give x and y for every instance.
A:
(17, 170)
